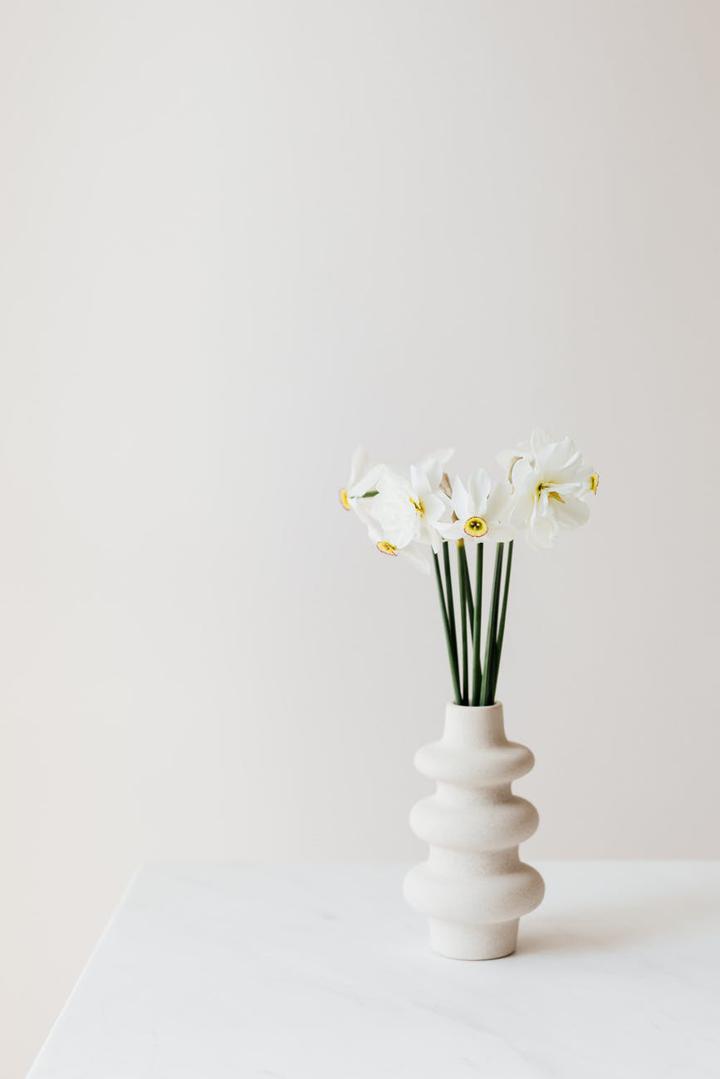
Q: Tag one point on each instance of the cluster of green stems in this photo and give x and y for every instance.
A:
(474, 670)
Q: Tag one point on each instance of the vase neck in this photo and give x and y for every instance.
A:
(468, 726)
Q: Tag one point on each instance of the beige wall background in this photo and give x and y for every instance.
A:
(238, 239)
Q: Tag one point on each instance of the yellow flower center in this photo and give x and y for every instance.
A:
(344, 499)
(418, 505)
(552, 495)
(475, 526)
(386, 547)
(594, 482)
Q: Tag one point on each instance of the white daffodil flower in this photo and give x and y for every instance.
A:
(361, 482)
(414, 552)
(532, 450)
(507, 459)
(429, 472)
(550, 486)
(409, 511)
(480, 510)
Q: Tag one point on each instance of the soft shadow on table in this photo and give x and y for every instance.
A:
(607, 928)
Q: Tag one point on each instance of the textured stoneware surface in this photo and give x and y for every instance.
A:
(473, 886)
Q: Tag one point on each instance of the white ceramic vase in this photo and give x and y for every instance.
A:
(473, 887)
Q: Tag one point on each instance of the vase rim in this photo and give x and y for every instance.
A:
(474, 707)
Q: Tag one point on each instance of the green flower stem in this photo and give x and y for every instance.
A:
(486, 693)
(501, 627)
(477, 615)
(452, 655)
(463, 620)
(468, 586)
(450, 605)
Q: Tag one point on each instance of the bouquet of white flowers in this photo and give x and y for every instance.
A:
(545, 489)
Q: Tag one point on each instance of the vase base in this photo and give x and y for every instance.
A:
(456, 941)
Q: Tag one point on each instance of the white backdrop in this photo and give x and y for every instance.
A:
(238, 239)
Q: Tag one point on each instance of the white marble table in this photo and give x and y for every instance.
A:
(215, 971)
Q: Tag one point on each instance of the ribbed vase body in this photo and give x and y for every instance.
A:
(473, 886)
